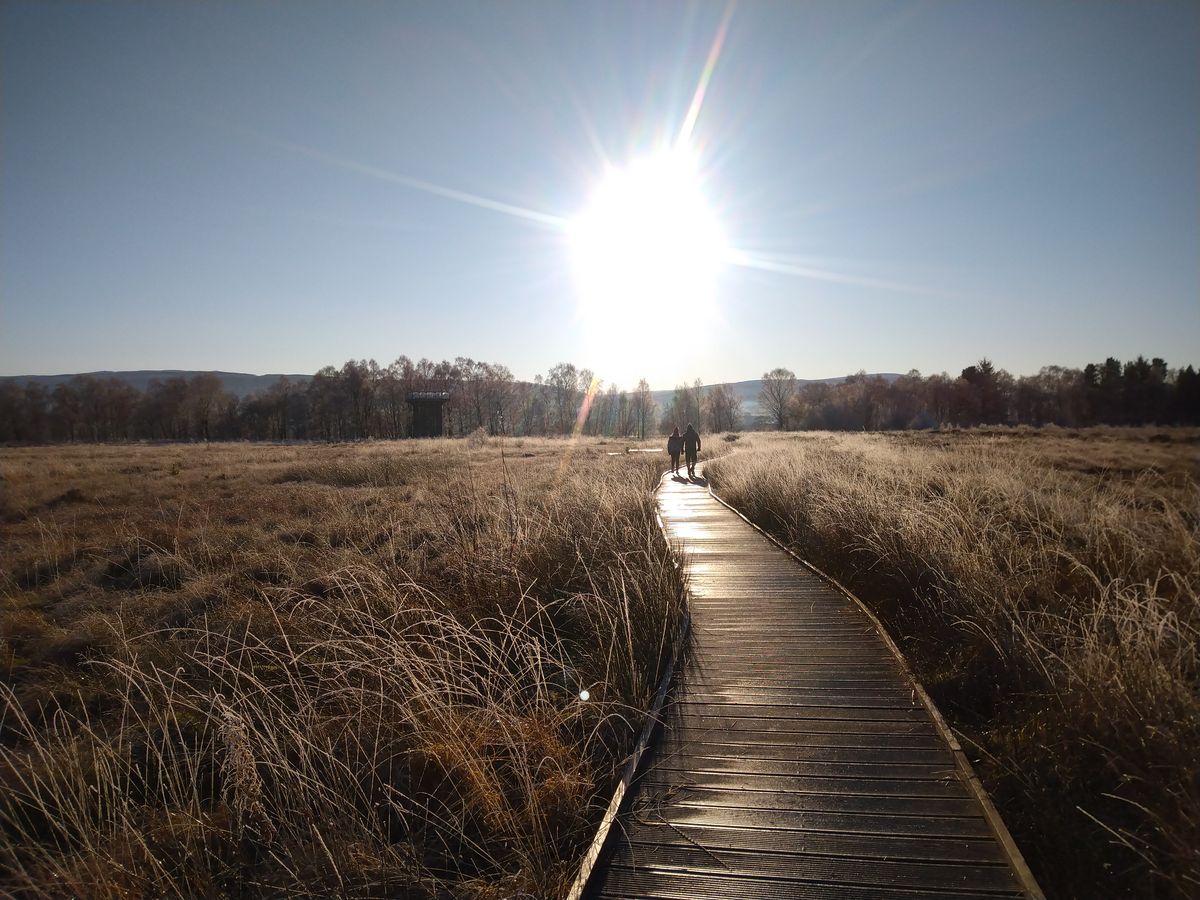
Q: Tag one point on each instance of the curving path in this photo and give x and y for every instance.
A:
(797, 759)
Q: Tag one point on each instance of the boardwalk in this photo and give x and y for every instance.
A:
(797, 759)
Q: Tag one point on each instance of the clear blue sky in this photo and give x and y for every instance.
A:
(209, 185)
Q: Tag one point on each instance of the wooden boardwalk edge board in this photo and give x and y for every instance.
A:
(966, 770)
(653, 719)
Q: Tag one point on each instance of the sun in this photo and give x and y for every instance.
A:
(648, 243)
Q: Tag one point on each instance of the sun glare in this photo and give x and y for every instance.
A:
(648, 242)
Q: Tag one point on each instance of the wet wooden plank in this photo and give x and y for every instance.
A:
(700, 776)
(698, 680)
(885, 712)
(745, 730)
(669, 884)
(794, 698)
(815, 748)
(707, 761)
(816, 735)
(866, 850)
(835, 799)
(796, 760)
(721, 860)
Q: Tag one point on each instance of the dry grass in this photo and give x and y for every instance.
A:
(1046, 587)
(263, 670)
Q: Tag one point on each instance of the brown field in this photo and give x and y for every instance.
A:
(355, 669)
(1045, 587)
(265, 670)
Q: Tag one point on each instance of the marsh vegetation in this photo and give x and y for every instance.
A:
(1045, 587)
(263, 669)
(356, 669)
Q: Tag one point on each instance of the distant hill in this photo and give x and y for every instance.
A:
(239, 383)
(747, 391)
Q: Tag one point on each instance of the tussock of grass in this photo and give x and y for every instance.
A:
(1047, 589)
(256, 685)
(366, 470)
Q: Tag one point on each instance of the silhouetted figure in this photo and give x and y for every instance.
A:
(691, 449)
(675, 447)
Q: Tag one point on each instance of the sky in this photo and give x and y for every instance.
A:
(276, 187)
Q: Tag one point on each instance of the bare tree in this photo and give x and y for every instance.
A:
(686, 404)
(391, 395)
(589, 386)
(483, 396)
(67, 408)
(471, 399)
(121, 401)
(534, 413)
(500, 395)
(625, 416)
(643, 408)
(327, 404)
(206, 397)
(164, 410)
(723, 407)
(778, 388)
(695, 403)
(359, 378)
(808, 408)
(604, 410)
(563, 381)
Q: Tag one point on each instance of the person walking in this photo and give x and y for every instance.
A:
(675, 447)
(691, 449)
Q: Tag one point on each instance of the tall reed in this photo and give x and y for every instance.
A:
(1051, 603)
(387, 699)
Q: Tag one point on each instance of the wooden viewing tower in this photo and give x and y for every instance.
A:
(427, 413)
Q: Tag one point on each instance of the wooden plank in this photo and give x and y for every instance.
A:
(815, 748)
(817, 820)
(813, 733)
(797, 680)
(702, 764)
(699, 776)
(672, 885)
(840, 801)
(740, 726)
(867, 850)
(890, 712)
(835, 674)
(785, 697)
(720, 860)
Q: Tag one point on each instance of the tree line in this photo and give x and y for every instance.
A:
(1137, 392)
(365, 400)
(359, 400)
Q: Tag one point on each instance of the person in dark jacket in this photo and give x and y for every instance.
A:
(691, 449)
(675, 447)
